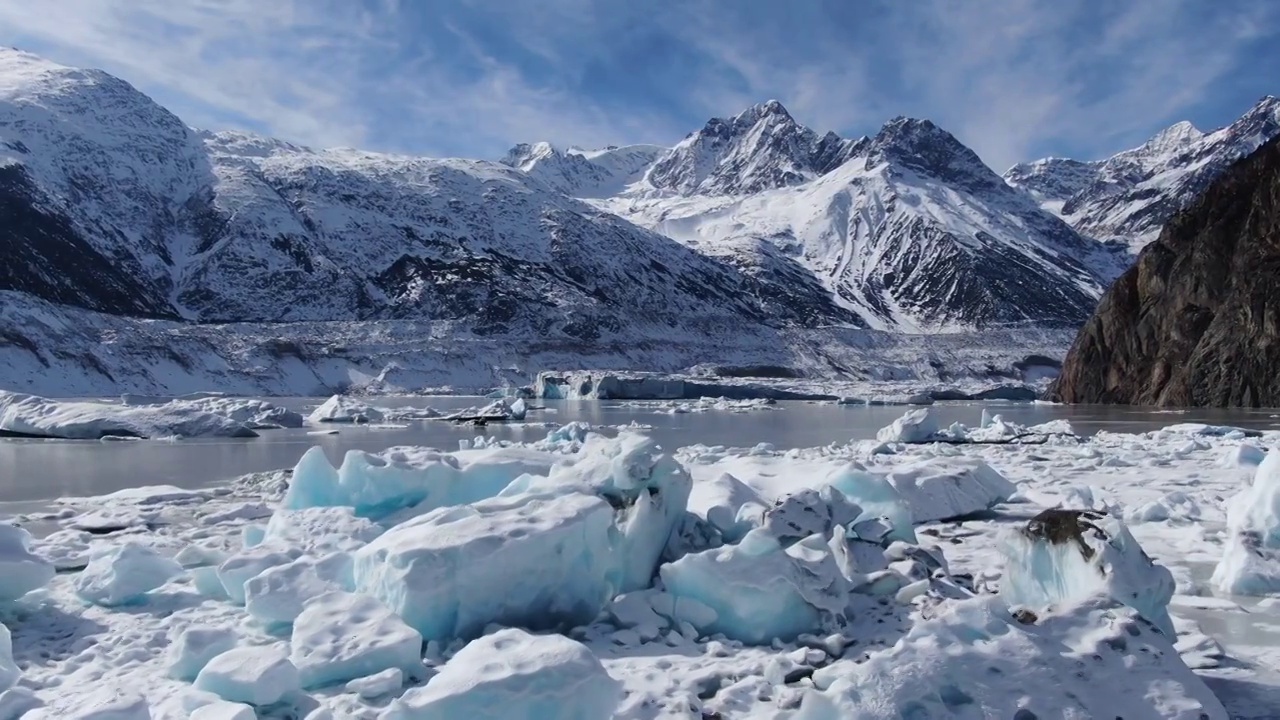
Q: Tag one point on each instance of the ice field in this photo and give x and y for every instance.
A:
(935, 569)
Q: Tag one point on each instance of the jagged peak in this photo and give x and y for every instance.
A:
(768, 108)
(524, 153)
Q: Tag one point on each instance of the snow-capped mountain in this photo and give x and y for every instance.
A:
(760, 149)
(1126, 199)
(584, 173)
(910, 232)
(115, 205)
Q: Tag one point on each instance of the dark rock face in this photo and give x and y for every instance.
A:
(1196, 322)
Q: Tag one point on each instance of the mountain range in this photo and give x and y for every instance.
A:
(750, 227)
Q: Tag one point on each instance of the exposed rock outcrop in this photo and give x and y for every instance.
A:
(1196, 322)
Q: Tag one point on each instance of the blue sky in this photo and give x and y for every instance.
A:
(1014, 79)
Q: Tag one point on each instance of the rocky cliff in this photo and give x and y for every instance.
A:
(1197, 320)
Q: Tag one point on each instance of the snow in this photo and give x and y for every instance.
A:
(260, 676)
(224, 711)
(976, 660)
(29, 415)
(729, 504)
(512, 675)
(194, 646)
(341, 637)
(1102, 559)
(124, 574)
(21, 571)
(1250, 563)
(102, 704)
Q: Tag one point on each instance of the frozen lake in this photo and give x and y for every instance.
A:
(32, 471)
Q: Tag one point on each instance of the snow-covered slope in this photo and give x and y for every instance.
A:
(910, 232)
(118, 207)
(584, 173)
(1127, 198)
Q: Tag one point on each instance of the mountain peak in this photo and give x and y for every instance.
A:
(926, 148)
(768, 108)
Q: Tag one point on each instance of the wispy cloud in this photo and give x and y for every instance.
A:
(1015, 79)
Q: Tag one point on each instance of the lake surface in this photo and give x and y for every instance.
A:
(35, 471)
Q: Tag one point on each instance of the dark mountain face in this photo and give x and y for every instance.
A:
(1197, 320)
(46, 256)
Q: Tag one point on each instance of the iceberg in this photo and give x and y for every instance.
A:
(1064, 557)
(340, 409)
(124, 574)
(915, 426)
(648, 489)
(21, 570)
(1250, 563)
(32, 416)
(976, 659)
(341, 636)
(512, 675)
(259, 676)
(533, 560)
(946, 488)
(760, 590)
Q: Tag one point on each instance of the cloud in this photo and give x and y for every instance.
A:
(1014, 80)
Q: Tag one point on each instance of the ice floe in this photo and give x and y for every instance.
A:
(32, 416)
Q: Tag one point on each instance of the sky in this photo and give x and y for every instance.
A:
(1013, 79)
